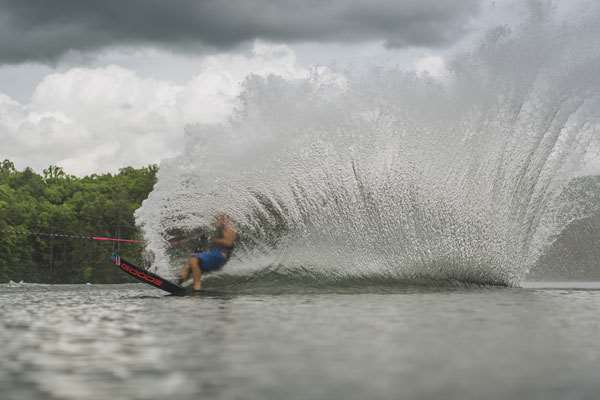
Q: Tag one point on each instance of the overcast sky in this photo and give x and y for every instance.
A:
(96, 85)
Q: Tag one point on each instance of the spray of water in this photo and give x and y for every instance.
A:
(392, 176)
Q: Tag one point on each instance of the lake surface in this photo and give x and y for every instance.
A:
(132, 342)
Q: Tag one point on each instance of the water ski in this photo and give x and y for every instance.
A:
(148, 277)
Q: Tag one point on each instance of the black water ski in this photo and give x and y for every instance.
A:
(148, 277)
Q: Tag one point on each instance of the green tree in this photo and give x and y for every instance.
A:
(34, 208)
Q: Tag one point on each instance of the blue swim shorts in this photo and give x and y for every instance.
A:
(211, 260)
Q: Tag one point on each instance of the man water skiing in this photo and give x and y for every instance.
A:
(215, 257)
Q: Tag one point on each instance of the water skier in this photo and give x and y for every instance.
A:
(215, 257)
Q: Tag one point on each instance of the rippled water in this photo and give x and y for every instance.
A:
(131, 342)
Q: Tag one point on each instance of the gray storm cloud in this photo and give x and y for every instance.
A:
(42, 30)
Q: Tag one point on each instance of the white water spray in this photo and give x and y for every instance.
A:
(392, 175)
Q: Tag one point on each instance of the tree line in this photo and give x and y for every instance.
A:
(34, 208)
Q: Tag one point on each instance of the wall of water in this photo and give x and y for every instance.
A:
(391, 175)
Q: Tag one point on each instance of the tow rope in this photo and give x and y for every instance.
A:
(96, 238)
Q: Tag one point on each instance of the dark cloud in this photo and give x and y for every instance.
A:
(43, 30)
